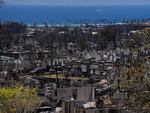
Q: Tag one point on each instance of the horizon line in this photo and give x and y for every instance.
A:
(76, 4)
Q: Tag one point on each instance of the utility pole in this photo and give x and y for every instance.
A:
(56, 72)
(118, 77)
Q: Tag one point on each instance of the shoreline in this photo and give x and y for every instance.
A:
(84, 25)
(147, 22)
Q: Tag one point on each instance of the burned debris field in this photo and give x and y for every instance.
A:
(74, 69)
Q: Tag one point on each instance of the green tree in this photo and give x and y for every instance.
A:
(135, 81)
(139, 38)
(18, 100)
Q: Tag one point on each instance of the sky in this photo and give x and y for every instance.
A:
(78, 2)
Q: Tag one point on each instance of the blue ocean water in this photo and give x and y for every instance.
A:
(71, 14)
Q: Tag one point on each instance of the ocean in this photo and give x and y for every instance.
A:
(72, 14)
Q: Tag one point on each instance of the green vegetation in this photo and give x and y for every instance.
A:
(135, 81)
(18, 100)
(140, 38)
(134, 78)
(62, 76)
